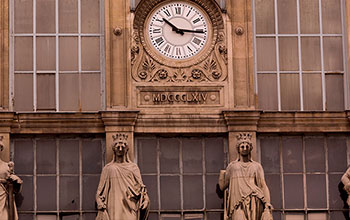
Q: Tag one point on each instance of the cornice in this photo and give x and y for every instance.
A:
(116, 120)
(241, 120)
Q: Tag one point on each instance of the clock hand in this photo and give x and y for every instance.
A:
(192, 31)
(177, 30)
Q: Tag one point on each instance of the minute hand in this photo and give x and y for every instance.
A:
(192, 31)
(177, 30)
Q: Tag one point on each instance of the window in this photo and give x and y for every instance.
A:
(300, 54)
(56, 55)
(60, 176)
(304, 175)
(181, 175)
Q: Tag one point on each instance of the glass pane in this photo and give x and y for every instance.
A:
(170, 192)
(90, 53)
(331, 17)
(153, 216)
(193, 192)
(46, 217)
(310, 53)
(194, 216)
(316, 191)
(273, 182)
(68, 16)
(46, 91)
(91, 91)
(45, 16)
(192, 156)
(315, 155)
(23, 16)
(309, 17)
(46, 53)
(293, 191)
(267, 91)
(337, 154)
(293, 216)
(70, 217)
(339, 215)
(46, 193)
(152, 189)
(288, 53)
(23, 52)
(290, 92)
(312, 91)
(287, 16)
(25, 199)
(270, 154)
(265, 17)
(89, 216)
(170, 217)
(92, 156)
(317, 216)
(23, 92)
(147, 155)
(214, 154)
(212, 199)
(24, 157)
(90, 184)
(90, 16)
(25, 216)
(266, 53)
(169, 155)
(276, 215)
(69, 156)
(69, 92)
(68, 51)
(46, 157)
(69, 193)
(334, 92)
(292, 154)
(337, 194)
(333, 53)
(215, 215)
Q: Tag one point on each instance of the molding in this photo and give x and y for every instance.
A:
(119, 120)
(241, 120)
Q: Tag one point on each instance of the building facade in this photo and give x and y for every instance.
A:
(75, 72)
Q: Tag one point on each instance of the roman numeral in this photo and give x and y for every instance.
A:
(156, 30)
(197, 41)
(159, 41)
(178, 10)
(177, 51)
(188, 13)
(166, 11)
(167, 49)
(189, 48)
(196, 20)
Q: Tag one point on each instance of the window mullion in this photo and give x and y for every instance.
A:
(34, 57)
(57, 59)
(323, 77)
(277, 59)
(300, 66)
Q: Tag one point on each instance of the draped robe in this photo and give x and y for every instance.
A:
(119, 191)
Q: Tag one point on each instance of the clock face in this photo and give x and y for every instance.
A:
(178, 30)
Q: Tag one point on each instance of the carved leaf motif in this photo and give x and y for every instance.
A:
(148, 64)
(210, 65)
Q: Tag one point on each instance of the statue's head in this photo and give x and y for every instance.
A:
(244, 144)
(120, 145)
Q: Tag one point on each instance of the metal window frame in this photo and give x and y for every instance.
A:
(56, 71)
(300, 71)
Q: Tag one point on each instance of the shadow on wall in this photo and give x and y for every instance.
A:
(344, 197)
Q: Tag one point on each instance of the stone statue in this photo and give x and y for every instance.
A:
(10, 184)
(121, 195)
(346, 181)
(248, 196)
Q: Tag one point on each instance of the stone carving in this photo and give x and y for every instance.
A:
(121, 193)
(346, 181)
(248, 195)
(10, 184)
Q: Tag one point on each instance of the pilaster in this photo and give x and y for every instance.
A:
(4, 54)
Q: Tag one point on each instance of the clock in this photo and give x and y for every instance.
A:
(177, 30)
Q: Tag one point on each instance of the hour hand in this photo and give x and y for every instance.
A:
(177, 30)
(192, 31)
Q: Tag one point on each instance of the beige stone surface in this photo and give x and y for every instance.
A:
(4, 54)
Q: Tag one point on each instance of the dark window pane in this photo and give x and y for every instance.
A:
(91, 91)
(147, 155)
(23, 53)
(24, 157)
(90, 184)
(68, 16)
(315, 155)
(23, 92)
(170, 217)
(193, 192)
(294, 191)
(89, 216)
(153, 216)
(333, 53)
(69, 156)
(90, 53)
(46, 91)
(331, 16)
(292, 154)
(45, 16)
(69, 92)
(92, 156)
(25, 216)
(290, 91)
(68, 56)
(310, 53)
(46, 157)
(288, 53)
(169, 155)
(337, 195)
(273, 182)
(339, 215)
(270, 154)
(214, 154)
(46, 193)
(69, 193)
(170, 192)
(265, 17)
(337, 155)
(276, 215)
(266, 53)
(312, 91)
(334, 92)
(192, 156)
(309, 17)
(287, 16)
(212, 199)
(215, 215)
(316, 191)
(267, 91)
(152, 189)
(90, 16)
(23, 16)
(45, 53)
(25, 199)
(70, 217)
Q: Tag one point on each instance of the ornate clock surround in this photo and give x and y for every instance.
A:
(209, 66)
